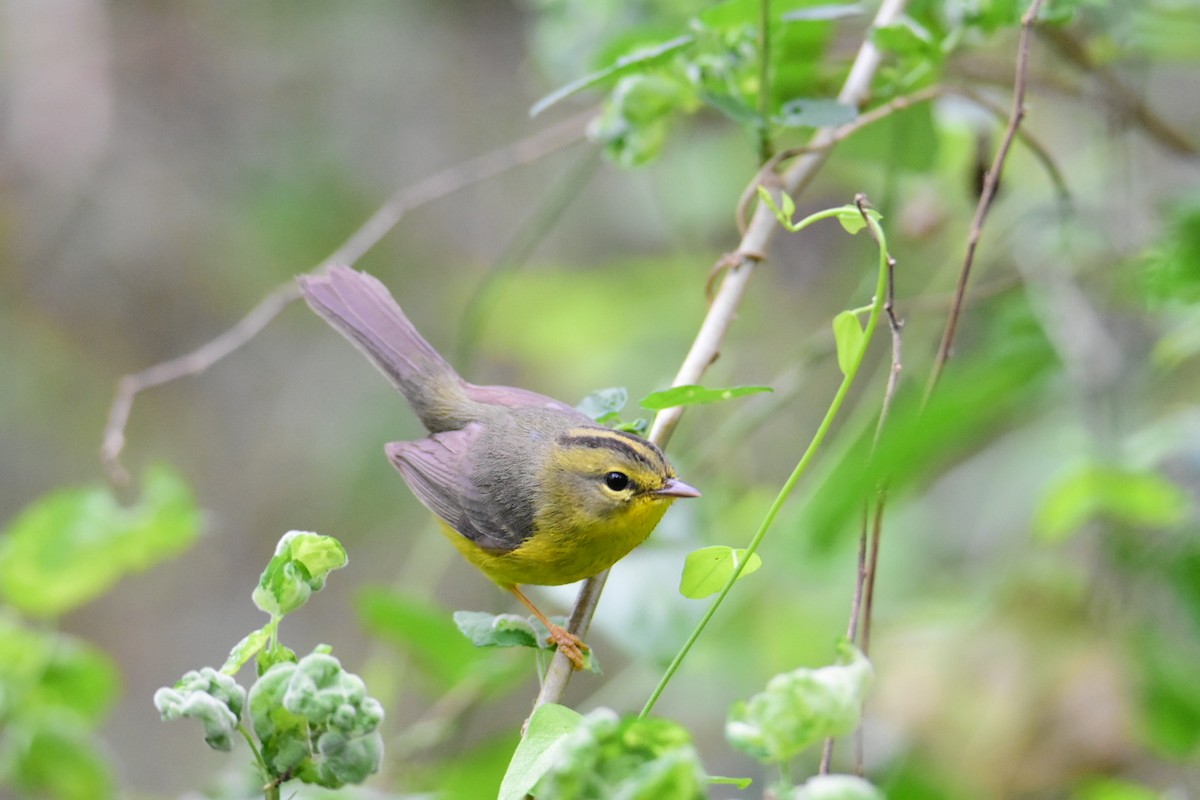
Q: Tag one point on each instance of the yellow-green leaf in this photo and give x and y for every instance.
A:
(707, 570)
(849, 337)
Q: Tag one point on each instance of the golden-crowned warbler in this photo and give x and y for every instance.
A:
(528, 489)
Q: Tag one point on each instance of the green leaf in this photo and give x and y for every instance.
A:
(707, 570)
(637, 426)
(852, 219)
(60, 759)
(607, 757)
(720, 780)
(787, 205)
(496, 630)
(299, 567)
(604, 405)
(782, 215)
(800, 708)
(806, 112)
(850, 339)
(426, 632)
(905, 37)
(1126, 496)
(637, 61)
(247, 648)
(46, 673)
(691, 395)
(211, 697)
(511, 630)
(837, 787)
(538, 750)
(316, 722)
(71, 545)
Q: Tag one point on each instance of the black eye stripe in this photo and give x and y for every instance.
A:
(604, 441)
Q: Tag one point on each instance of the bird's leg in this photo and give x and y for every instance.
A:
(568, 643)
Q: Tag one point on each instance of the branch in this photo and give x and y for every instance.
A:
(990, 181)
(475, 170)
(721, 312)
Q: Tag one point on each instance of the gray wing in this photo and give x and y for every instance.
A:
(438, 470)
(513, 397)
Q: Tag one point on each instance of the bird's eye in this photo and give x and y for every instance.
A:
(617, 481)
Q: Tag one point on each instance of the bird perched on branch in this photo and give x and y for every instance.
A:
(530, 490)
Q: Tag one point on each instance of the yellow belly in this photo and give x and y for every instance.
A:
(554, 555)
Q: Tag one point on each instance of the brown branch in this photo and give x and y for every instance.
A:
(472, 171)
(721, 312)
(990, 181)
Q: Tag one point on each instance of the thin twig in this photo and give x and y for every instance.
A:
(860, 580)
(864, 579)
(469, 172)
(990, 181)
(721, 312)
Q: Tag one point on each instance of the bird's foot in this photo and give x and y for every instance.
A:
(569, 645)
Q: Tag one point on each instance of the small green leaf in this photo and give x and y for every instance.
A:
(707, 570)
(720, 780)
(800, 708)
(788, 208)
(603, 405)
(638, 60)
(637, 426)
(837, 787)
(247, 648)
(905, 37)
(71, 545)
(213, 698)
(782, 215)
(850, 339)
(538, 750)
(808, 112)
(852, 219)
(1130, 497)
(496, 630)
(691, 395)
(299, 567)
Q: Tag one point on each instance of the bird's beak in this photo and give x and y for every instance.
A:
(676, 488)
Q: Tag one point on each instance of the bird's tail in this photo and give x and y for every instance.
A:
(362, 310)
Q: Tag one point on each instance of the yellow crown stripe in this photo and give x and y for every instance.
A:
(627, 444)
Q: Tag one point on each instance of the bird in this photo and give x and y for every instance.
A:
(529, 489)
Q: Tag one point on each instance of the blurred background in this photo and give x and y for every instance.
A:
(164, 166)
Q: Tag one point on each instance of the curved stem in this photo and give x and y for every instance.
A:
(801, 467)
(270, 787)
